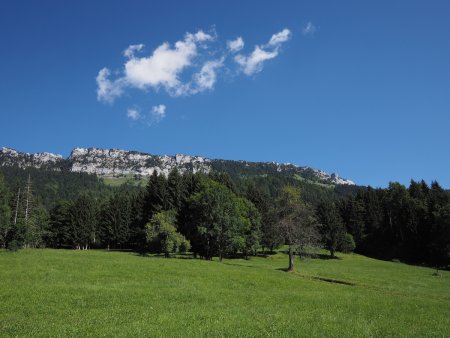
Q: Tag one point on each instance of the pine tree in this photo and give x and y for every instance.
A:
(331, 226)
(5, 214)
(59, 225)
(83, 224)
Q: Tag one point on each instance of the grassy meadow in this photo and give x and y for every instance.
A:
(98, 293)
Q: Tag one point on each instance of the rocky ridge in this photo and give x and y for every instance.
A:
(117, 163)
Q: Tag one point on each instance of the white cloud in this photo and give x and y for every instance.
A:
(158, 113)
(133, 114)
(309, 29)
(199, 36)
(253, 63)
(108, 90)
(187, 67)
(129, 52)
(278, 38)
(163, 67)
(235, 45)
(207, 77)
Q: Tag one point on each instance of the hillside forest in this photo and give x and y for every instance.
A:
(218, 215)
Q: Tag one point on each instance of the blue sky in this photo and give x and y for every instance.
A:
(354, 87)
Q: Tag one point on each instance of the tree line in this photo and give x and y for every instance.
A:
(406, 223)
(217, 216)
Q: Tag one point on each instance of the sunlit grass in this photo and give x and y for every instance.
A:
(98, 293)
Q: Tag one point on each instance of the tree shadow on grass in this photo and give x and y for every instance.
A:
(316, 256)
(322, 279)
(153, 255)
(283, 269)
(265, 254)
(323, 256)
(243, 265)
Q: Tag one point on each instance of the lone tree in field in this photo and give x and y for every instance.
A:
(296, 222)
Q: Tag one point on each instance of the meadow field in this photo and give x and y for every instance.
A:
(65, 293)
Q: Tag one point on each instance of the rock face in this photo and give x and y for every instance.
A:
(10, 157)
(115, 163)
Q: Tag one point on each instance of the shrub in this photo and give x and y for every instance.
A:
(14, 246)
(347, 243)
(162, 235)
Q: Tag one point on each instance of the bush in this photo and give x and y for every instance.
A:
(347, 244)
(162, 235)
(14, 246)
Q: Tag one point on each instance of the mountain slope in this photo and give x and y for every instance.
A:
(118, 163)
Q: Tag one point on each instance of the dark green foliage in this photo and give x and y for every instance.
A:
(50, 186)
(5, 214)
(83, 230)
(115, 220)
(352, 212)
(219, 223)
(223, 214)
(157, 197)
(271, 237)
(249, 234)
(225, 179)
(410, 224)
(14, 245)
(272, 185)
(331, 226)
(28, 223)
(214, 219)
(59, 225)
(176, 188)
(36, 229)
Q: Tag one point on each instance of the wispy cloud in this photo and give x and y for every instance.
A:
(309, 29)
(235, 45)
(155, 115)
(133, 114)
(107, 90)
(253, 62)
(207, 76)
(158, 113)
(129, 52)
(187, 67)
(278, 38)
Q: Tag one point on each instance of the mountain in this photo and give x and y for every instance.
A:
(119, 163)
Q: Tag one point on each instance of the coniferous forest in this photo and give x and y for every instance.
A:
(216, 215)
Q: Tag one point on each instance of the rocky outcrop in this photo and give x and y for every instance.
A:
(116, 162)
(10, 157)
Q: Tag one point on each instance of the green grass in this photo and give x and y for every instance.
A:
(118, 181)
(96, 293)
(324, 185)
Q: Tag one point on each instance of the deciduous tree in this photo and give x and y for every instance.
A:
(297, 223)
